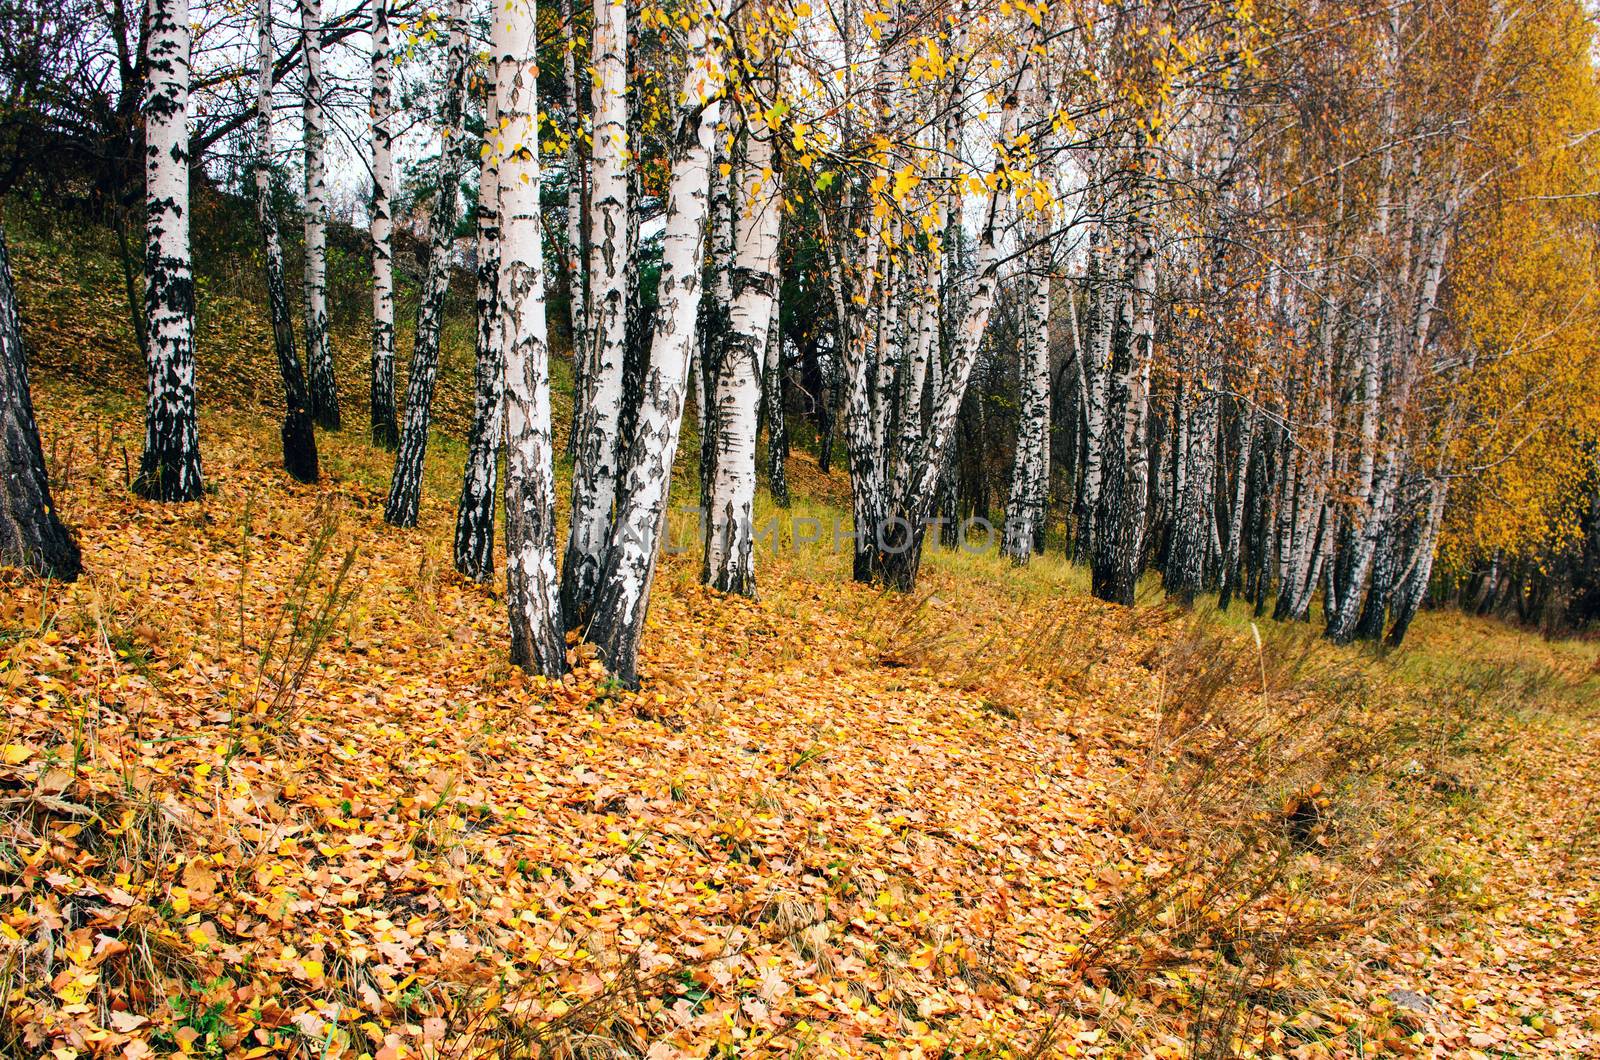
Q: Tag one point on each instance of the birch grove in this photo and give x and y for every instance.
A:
(1200, 300)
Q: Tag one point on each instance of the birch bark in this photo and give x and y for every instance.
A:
(597, 425)
(531, 584)
(1104, 299)
(629, 572)
(384, 432)
(405, 490)
(576, 252)
(720, 231)
(474, 544)
(319, 356)
(1030, 469)
(169, 469)
(1124, 493)
(753, 281)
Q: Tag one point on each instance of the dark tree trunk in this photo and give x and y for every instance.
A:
(1122, 507)
(1244, 435)
(299, 439)
(814, 384)
(1272, 471)
(1375, 611)
(31, 533)
(777, 424)
(828, 420)
(474, 546)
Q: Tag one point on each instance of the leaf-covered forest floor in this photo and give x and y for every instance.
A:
(268, 787)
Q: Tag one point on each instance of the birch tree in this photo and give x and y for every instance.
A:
(629, 571)
(576, 256)
(474, 545)
(319, 354)
(1104, 299)
(405, 489)
(169, 469)
(1030, 469)
(729, 563)
(384, 432)
(721, 225)
(598, 412)
(532, 588)
(1122, 506)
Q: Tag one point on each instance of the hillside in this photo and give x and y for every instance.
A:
(270, 787)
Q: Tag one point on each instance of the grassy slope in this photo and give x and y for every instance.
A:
(1000, 817)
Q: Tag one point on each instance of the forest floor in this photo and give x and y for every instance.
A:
(269, 787)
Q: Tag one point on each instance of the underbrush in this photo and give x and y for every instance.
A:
(1289, 797)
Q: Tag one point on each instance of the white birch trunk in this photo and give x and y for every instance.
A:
(1321, 512)
(1414, 585)
(1030, 469)
(1103, 306)
(720, 227)
(868, 491)
(729, 559)
(531, 583)
(625, 583)
(925, 347)
(319, 355)
(169, 469)
(598, 416)
(384, 431)
(1345, 608)
(1124, 493)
